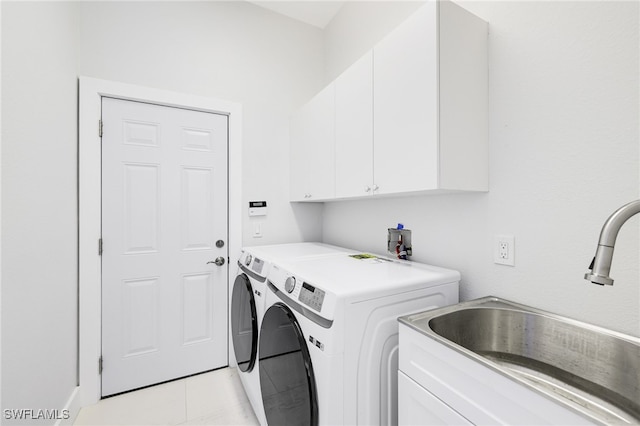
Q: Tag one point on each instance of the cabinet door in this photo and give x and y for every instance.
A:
(312, 141)
(354, 129)
(417, 406)
(297, 175)
(405, 84)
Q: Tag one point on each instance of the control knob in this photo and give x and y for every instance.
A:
(248, 260)
(290, 284)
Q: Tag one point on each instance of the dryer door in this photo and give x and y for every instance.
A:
(244, 323)
(286, 375)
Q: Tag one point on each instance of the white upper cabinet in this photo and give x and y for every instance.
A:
(354, 130)
(430, 103)
(312, 176)
(411, 116)
(406, 105)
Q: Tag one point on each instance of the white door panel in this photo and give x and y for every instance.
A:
(354, 129)
(405, 89)
(164, 206)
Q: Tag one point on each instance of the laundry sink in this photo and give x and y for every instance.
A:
(593, 370)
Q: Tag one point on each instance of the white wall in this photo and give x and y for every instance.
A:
(39, 225)
(564, 127)
(234, 51)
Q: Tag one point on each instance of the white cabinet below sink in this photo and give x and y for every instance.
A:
(441, 385)
(418, 406)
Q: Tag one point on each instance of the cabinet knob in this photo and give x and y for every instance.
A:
(375, 188)
(367, 188)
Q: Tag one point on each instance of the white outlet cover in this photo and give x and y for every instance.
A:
(504, 249)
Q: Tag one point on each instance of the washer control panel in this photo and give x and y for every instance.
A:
(311, 296)
(304, 293)
(295, 288)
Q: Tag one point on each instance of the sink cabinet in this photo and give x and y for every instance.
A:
(418, 406)
(443, 386)
(410, 116)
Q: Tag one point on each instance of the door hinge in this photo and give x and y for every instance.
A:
(100, 128)
(100, 247)
(100, 364)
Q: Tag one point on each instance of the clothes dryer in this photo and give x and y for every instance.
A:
(246, 311)
(328, 346)
(297, 251)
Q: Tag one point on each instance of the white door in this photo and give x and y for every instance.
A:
(164, 216)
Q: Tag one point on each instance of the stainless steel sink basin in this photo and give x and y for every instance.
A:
(592, 369)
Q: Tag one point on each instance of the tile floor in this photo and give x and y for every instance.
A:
(214, 398)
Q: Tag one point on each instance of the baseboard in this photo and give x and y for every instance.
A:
(72, 408)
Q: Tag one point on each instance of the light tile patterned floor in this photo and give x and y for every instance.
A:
(214, 398)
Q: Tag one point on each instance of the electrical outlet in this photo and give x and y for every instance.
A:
(504, 250)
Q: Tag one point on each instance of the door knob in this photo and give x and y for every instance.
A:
(219, 261)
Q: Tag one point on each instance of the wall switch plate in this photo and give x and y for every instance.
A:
(257, 230)
(504, 250)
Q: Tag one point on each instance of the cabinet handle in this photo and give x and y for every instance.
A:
(367, 188)
(375, 188)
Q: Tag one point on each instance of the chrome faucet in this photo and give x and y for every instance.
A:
(601, 263)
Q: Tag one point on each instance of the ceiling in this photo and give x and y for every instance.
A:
(314, 12)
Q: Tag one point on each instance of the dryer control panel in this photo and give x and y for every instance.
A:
(249, 263)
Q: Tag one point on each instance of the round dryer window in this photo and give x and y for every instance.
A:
(244, 323)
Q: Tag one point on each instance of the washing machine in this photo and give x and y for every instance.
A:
(328, 345)
(248, 304)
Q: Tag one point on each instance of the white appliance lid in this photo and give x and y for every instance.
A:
(347, 276)
(283, 252)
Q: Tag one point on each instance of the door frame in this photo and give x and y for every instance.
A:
(91, 91)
